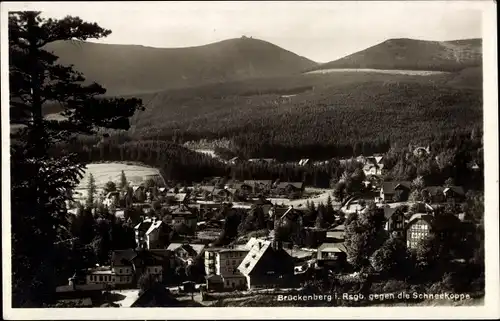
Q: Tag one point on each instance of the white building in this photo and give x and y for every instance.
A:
(147, 233)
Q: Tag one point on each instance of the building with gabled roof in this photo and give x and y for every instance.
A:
(186, 252)
(420, 225)
(266, 265)
(454, 193)
(147, 233)
(390, 188)
(304, 162)
(184, 214)
(394, 220)
(331, 255)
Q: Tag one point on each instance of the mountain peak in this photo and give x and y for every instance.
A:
(129, 69)
(413, 54)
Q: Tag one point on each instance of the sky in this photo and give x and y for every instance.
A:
(319, 30)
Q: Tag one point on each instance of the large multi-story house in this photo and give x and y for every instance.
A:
(389, 190)
(448, 228)
(394, 221)
(419, 227)
(147, 233)
(221, 267)
(267, 264)
(127, 266)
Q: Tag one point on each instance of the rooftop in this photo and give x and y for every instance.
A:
(332, 247)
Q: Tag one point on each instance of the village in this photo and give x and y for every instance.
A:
(223, 236)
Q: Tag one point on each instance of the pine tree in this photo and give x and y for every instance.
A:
(123, 181)
(329, 208)
(91, 191)
(42, 171)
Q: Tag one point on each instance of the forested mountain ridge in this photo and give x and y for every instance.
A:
(131, 69)
(316, 115)
(411, 54)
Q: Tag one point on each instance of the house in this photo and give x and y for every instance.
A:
(147, 233)
(331, 255)
(139, 191)
(154, 297)
(204, 191)
(393, 191)
(439, 194)
(112, 199)
(286, 215)
(394, 221)
(304, 162)
(373, 182)
(128, 265)
(353, 205)
(177, 198)
(223, 195)
(106, 276)
(285, 188)
(262, 160)
(454, 194)
(373, 169)
(336, 234)
(267, 265)
(186, 252)
(259, 186)
(448, 228)
(184, 215)
(433, 194)
(221, 268)
(419, 226)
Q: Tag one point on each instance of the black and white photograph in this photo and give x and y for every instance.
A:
(235, 158)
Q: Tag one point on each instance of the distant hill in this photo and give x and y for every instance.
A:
(410, 54)
(129, 69)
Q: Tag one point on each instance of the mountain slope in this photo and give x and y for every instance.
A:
(316, 115)
(126, 69)
(413, 54)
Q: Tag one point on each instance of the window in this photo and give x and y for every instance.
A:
(234, 262)
(100, 278)
(121, 271)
